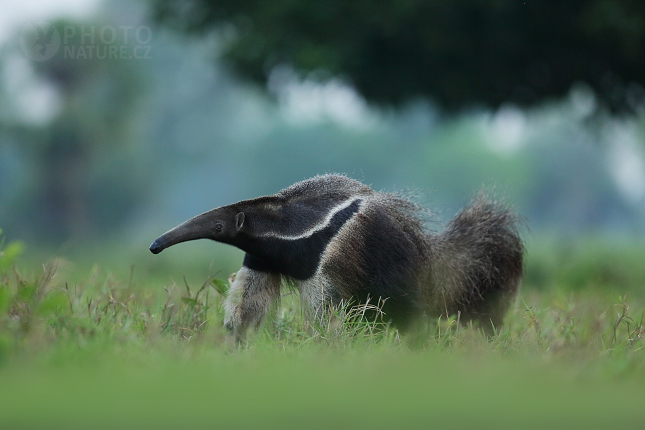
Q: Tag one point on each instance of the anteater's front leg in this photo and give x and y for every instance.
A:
(249, 298)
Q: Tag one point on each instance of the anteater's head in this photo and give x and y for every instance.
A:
(221, 224)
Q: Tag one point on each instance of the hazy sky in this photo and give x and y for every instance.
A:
(16, 13)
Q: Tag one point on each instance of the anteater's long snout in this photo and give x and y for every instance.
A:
(157, 246)
(182, 233)
(193, 229)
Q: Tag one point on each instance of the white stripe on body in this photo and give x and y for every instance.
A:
(321, 225)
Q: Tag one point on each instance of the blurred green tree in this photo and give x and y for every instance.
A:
(458, 52)
(83, 180)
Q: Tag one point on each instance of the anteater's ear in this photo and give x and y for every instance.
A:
(239, 221)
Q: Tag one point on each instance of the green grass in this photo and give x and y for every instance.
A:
(88, 348)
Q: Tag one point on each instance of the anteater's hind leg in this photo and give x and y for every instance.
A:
(249, 298)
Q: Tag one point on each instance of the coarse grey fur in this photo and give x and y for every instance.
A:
(337, 240)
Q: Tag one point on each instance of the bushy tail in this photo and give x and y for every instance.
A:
(476, 264)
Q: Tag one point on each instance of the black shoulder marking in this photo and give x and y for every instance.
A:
(298, 258)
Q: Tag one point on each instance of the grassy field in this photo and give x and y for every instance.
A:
(88, 347)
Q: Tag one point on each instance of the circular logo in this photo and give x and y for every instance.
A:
(39, 41)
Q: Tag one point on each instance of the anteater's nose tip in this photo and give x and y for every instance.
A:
(156, 247)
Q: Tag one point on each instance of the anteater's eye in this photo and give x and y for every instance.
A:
(218, 227)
